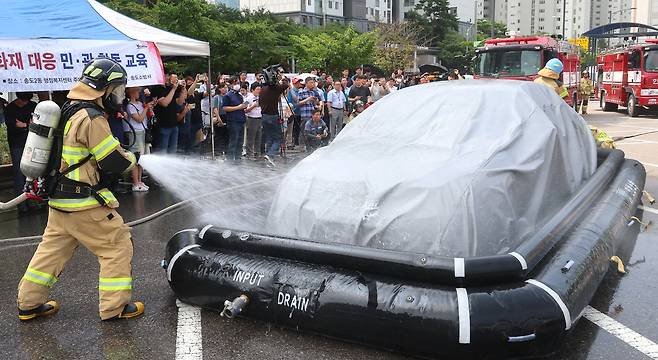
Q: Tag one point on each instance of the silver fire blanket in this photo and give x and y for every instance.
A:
(459, 168)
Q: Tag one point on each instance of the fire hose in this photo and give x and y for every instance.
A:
(31, 239)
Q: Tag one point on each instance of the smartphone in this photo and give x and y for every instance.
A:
(192, 106)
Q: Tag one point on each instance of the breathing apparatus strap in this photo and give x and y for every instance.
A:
(45, 131)
(63, 186)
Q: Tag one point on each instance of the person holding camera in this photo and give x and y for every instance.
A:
(274, 85)
(166, 110)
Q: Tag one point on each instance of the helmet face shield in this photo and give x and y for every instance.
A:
(114, 98)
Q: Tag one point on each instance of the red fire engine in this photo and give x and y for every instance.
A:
(520, 58)
(628, 77)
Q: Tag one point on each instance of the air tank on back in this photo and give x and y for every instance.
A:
(38, 146)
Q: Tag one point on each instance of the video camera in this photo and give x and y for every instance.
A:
(271, 74)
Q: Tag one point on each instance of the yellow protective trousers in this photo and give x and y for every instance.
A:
(103, 232)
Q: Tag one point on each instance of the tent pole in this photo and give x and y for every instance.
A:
(212, 125)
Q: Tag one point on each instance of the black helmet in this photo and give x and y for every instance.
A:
(100, 73)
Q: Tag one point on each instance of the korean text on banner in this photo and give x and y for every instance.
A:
(49, 64)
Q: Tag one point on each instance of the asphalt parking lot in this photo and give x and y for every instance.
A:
(77, 333)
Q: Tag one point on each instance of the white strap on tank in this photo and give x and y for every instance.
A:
(460, 270)
(558, 300)
(176, 256)
(524, 264)
(464, 312)
(203, 231)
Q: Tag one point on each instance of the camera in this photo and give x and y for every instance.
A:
(271, 74)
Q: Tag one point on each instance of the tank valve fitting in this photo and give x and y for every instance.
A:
(235, 307)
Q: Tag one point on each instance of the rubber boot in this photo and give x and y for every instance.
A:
(132, 310)
(46, 309)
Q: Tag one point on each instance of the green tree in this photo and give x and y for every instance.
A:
(239, 40)
(395, 46)
(434, 18)
(484, 29)
(455, 51)
(334, 50)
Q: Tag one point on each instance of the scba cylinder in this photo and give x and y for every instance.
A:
(38, 146)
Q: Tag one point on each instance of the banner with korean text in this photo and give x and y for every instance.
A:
(52, 64)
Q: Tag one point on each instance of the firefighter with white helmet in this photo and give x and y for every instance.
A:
(82, 209)
(585, 90)
(550, 76)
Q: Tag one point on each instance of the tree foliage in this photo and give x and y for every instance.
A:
(484, 29)
(395, 46)
(333, 50)
(239, 40)
(456, 52)
(434, 18)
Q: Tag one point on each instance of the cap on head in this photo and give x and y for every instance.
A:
(102, 73)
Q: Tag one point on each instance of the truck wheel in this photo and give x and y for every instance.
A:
(633, 109)
(606, 106)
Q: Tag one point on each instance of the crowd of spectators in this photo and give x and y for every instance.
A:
(251, 120)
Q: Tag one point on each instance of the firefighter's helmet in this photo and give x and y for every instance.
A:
(102, 74)
(555, 65)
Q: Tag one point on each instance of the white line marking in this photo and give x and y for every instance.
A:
(464, 312)
(558, 300)
(648, 209)
(649, 164)
(630, 337)
(188, 332)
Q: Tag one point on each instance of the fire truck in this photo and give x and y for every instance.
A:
(520, 58)
(628, 76)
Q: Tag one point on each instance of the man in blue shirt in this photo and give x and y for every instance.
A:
(294, 122)
(309, 101)
(234, 105)
(315, 131)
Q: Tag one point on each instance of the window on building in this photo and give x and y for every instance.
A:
(376, 3)
(377, 14)
(309, 2)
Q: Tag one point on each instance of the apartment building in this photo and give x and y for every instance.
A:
(570, 18)
(646, 12)
(363, 14)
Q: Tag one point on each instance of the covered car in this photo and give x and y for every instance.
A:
(449, 169)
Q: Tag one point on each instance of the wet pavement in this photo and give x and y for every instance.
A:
(77, 333)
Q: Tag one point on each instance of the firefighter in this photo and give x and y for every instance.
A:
(550, 76)
(586, 90)
(82, 209)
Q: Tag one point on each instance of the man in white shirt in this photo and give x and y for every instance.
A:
(337, 106)
(254, 125)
